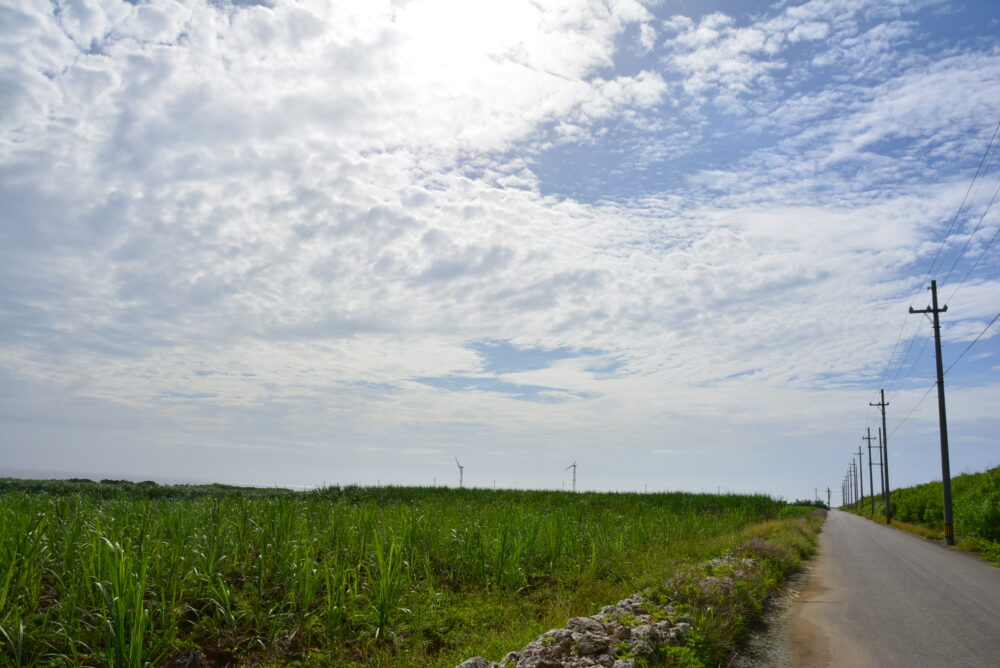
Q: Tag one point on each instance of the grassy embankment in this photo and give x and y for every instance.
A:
(722, 611)
(140, 574)
(975, 506)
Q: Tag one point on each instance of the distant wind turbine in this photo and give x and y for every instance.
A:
(573, 466)
(461, 469)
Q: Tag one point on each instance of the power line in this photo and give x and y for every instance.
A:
(944, 241)
(962, 354)
(976, 263)
(913, 366)
(969, 240)
(900, 423)
(973, 343)
(985, 248)
(961, 206)
(906, 356)
(885, 372)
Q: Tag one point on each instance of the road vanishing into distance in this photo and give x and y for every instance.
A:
(879, 597)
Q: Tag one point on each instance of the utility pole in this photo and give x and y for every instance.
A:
(872, 462)
(850, 480)
(881, 464)
(861, 480)
(885, 457)
(853, 483)
(949, 532)
(828, 499)
(858, 480)
(852, 487)
(871, 475)
(857, 489)
(885, 474)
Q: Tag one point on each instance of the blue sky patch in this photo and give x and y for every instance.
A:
(503, 357)
(536, 393)
(189, 396)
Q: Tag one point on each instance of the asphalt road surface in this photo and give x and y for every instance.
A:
(880, 597)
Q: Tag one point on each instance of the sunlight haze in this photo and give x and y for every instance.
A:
(306, 243)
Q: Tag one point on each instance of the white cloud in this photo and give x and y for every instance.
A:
(811, 30)
(322, 205)
(647, 37)
(714, 54)
(721, 61)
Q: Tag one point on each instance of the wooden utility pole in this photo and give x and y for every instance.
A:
(861, 480)
(854, 482)
(949, 531)
(884, 442)
(871, 476)
(878, 463)
(851, 487)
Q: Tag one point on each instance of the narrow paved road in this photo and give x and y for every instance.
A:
(879, 597)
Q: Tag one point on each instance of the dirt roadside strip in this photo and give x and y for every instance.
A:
(697, 618)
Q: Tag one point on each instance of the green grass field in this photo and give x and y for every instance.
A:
(975, 505)
(124, 574)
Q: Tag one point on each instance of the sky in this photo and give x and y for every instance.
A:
(305, 243)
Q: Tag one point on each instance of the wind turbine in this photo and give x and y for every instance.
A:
(573, 466)
(460, 470)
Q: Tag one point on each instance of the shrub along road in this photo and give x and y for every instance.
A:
(877, 596)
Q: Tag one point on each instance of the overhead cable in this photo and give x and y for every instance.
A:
(969, 240)
(900, 423)
(973, 343)
(986, 248)
(944, 241)
(895, 390)
(917, 405)
(961, 206)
